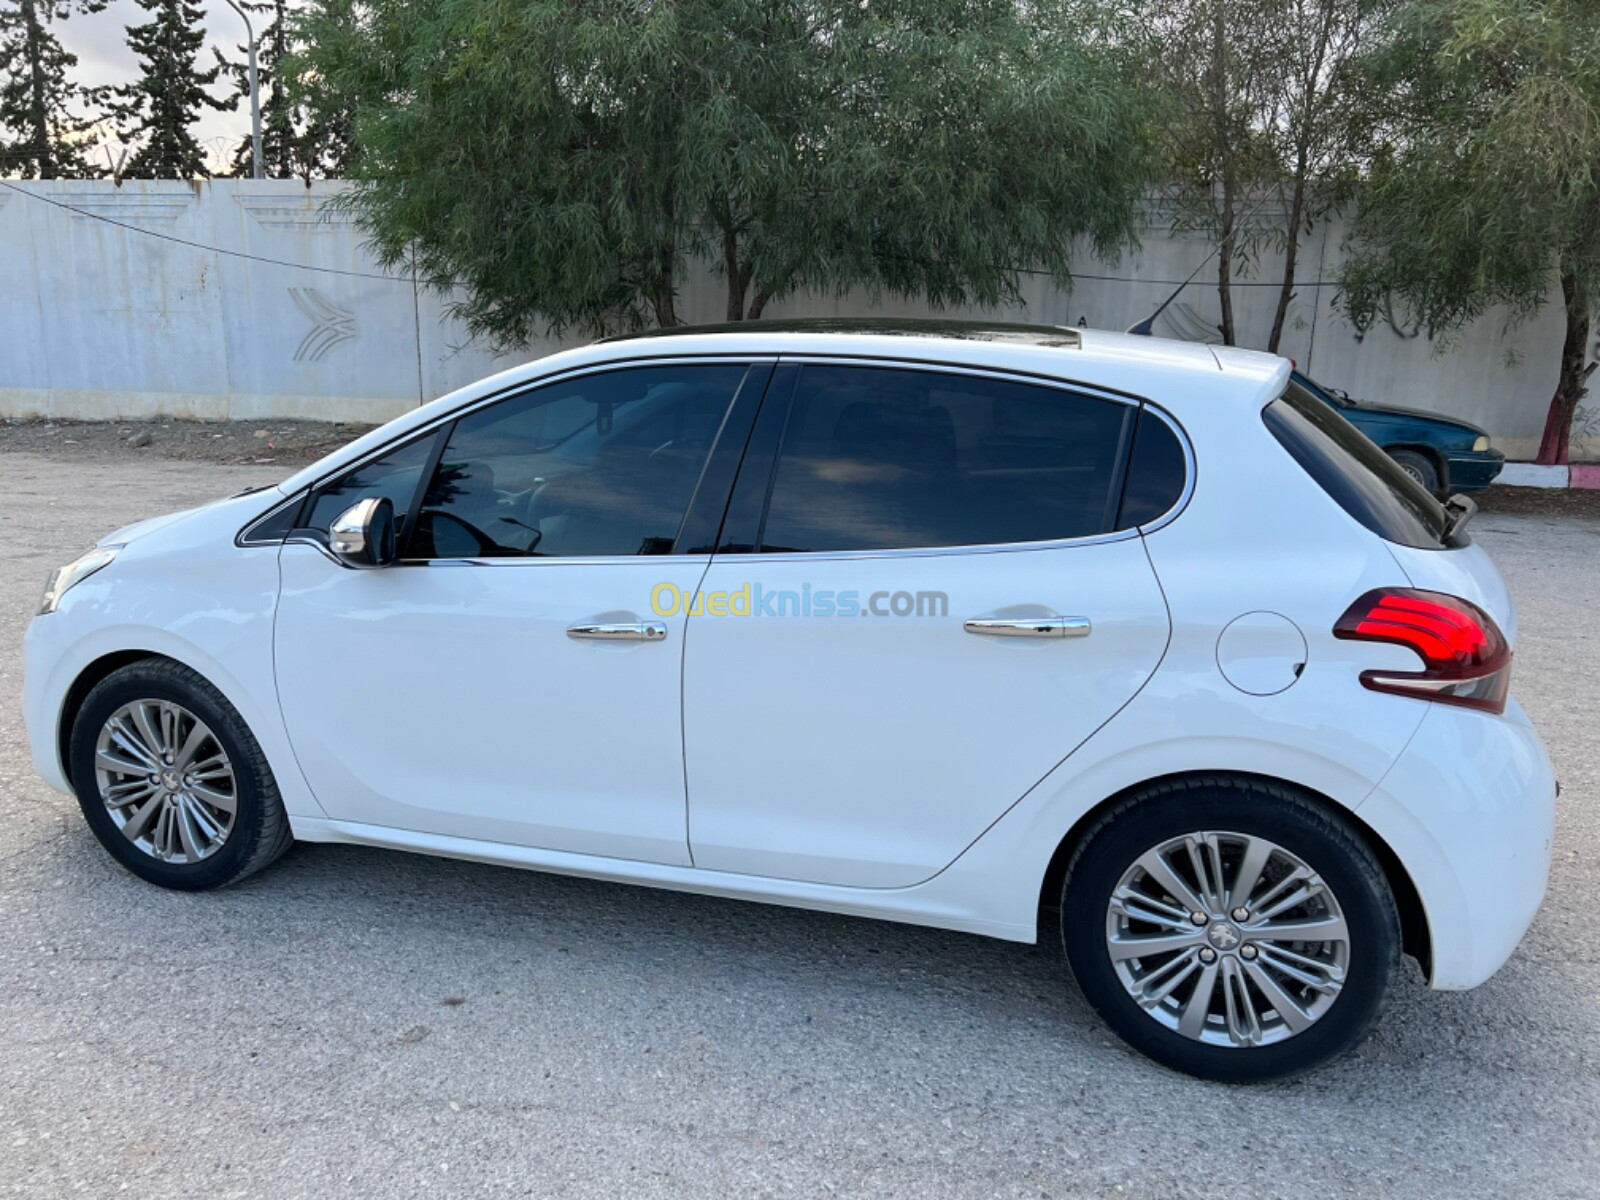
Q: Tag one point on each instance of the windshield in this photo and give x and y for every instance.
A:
(1360, 477)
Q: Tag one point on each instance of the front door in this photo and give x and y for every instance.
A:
(507, 681)
(940, 609)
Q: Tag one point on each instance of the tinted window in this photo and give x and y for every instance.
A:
(1156, 473)
(599, 465)
(395, 475)
(1360, 477)
(881, 458)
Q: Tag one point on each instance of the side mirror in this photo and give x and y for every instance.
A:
(363, 535)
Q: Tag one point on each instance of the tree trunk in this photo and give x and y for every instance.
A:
(1219, 113)
(663, 288)
(1573, 380)
(662, 291)
(38, 109)
(730, 268)
(1225, 268)
(1297, 205)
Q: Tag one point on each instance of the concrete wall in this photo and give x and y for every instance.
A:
(131, 306)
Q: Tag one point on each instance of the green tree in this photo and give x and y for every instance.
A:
(280, 151)
(569, 160)
(42, 133)
(296, 140)
(1486, 189)
(1263, 133)
(1208, 58)
(1317, 115)
(159, 110)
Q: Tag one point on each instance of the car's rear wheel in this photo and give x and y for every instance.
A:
(171, 780)
(1420, 467)
(1231, 929)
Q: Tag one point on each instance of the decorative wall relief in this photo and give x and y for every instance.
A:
(155, 203)
(330, 324)
(309, 213)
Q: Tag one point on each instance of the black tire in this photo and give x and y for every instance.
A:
(1421, 468)
(1319, 838)
(260, 829)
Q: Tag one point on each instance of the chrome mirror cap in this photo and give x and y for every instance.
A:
(363, 535)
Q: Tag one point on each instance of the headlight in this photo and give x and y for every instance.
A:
(64, 579)
(1481, 444)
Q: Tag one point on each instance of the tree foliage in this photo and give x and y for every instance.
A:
(44, 134)
(1486, 190)
(159, 109)
(297, 141)
(1264, 126)
(569, 160)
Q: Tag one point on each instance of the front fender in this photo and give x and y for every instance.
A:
(146, 602)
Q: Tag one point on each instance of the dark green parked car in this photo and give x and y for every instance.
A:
(1442, 454)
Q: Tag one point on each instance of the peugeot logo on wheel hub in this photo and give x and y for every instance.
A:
(1223, 935)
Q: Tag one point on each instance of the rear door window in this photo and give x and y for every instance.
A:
(881, 458)
(1356, 474)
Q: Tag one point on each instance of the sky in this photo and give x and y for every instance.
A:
(100, 42)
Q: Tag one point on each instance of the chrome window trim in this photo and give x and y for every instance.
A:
(1092, 539)
(1094, 391)
(1009, 374)
(1191, 468)
(515, 390)
(531, 560)
(432, 428)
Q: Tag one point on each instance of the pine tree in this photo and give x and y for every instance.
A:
(43, 137)
(280, 152)
(160, 109)
(296, 142)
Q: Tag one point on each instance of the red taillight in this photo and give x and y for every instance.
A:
(1465, 656)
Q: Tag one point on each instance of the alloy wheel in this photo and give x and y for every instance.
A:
(166, 781)
(1228, 939)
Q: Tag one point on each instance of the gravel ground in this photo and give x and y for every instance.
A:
(371, 1024)
(284, 444)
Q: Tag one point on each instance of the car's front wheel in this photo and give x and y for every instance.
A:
(1230, 929)
(171, 780)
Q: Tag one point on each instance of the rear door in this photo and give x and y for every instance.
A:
(923, 605)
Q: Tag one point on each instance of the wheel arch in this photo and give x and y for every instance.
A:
(1415, 935)
(86, 681)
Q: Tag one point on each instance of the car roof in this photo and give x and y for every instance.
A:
(935, 327)
(1132, 365)
(824, 334)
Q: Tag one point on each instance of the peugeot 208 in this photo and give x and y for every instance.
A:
(962, 625)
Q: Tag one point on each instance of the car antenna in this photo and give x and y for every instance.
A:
(1146, 327)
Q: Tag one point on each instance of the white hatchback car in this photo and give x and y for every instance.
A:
(955, 624)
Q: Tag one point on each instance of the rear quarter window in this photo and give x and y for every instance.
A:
(1157, 473)
(1355, 473)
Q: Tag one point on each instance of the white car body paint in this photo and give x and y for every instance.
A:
(1448, 790)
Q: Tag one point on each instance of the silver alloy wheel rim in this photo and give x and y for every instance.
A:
(1415, 472)
(1227, 939)
(166, 781)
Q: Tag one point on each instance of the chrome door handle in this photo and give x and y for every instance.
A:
(627, 631)
(1046, 627)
